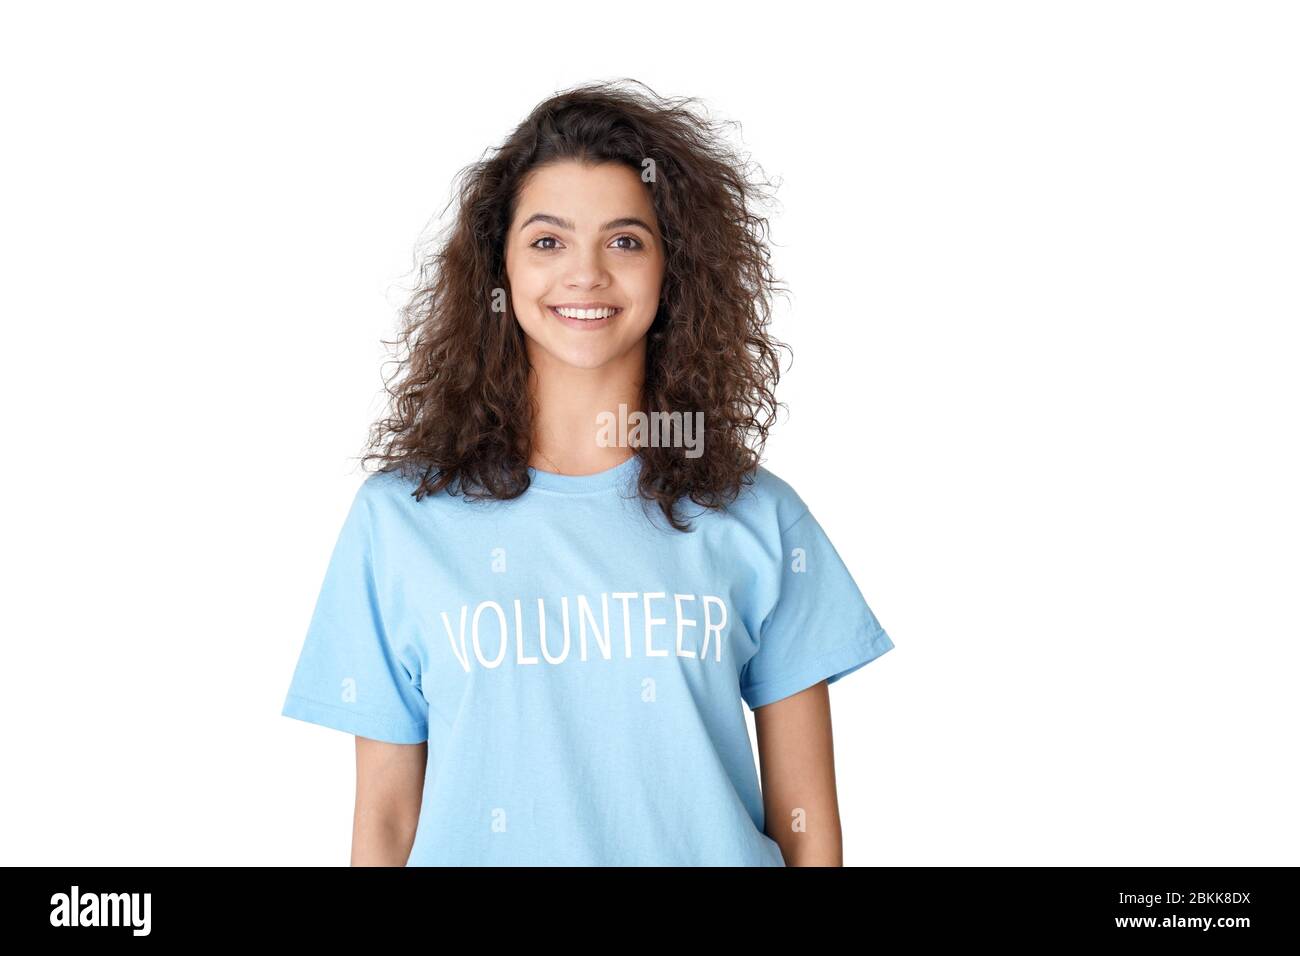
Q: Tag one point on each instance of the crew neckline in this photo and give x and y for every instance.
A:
(576, 484)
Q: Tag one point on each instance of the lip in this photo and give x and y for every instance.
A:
(587, 325)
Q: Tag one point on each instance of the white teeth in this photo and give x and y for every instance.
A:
(586, 313)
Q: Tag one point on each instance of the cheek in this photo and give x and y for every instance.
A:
(643, 325)
(650, 282)
(527, 287)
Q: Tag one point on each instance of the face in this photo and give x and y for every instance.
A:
(585, 264)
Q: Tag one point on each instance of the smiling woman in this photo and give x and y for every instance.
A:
(571, 624)
(605, 197)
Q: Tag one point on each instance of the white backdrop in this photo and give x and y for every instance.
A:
(1043, 262)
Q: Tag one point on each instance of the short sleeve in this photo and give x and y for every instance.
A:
(821, 627)
(349, 675)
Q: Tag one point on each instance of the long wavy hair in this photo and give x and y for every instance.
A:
(459, 415)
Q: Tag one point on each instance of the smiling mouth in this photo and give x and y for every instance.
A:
(584, 315)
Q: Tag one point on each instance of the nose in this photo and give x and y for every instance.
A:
(588, 269)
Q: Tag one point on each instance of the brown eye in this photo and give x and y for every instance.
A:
(638, 243)
(533, 244)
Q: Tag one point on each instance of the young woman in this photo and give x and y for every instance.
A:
(547, 606)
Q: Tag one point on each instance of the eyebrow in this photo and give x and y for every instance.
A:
(622, 223)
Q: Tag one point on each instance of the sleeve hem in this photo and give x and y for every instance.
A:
(354, 722)
(830, 667)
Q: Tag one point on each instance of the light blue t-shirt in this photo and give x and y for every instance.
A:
(576, 665)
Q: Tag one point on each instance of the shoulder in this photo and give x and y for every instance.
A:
(767, 500)
(387, 484)
(381, 487)
(390, 497)
(386, 495)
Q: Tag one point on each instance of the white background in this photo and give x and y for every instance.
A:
(1043, 264)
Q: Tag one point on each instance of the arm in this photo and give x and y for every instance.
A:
(797, 770)
(390, 782)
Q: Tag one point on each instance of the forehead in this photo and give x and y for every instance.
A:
(586, 195)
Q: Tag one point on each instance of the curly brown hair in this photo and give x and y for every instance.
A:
(460, 414)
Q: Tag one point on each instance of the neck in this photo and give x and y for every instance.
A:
(567, 402)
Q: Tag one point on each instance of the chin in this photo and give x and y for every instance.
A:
(580, 358)
(578, 349)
